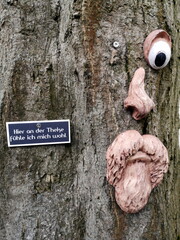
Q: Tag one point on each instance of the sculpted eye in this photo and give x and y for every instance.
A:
(157, 49)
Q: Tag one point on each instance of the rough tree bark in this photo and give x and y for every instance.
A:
(57, 62)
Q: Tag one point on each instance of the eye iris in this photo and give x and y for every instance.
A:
(160, 59)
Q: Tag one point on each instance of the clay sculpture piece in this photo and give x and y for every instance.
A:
(157, 49)
(137, 99)
(135, 165)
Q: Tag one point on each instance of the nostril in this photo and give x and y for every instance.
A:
(160, 59)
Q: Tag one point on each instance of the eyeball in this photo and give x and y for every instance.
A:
(157, 49)
(159, 54)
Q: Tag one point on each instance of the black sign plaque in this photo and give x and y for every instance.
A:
(31, 133)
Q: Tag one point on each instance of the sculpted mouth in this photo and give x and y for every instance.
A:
(135, 165)
(139, 157)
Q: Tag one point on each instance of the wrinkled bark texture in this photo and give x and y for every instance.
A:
(57, 62)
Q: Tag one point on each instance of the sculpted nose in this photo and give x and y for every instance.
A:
(137, 99)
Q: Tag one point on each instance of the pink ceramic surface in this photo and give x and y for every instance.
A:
(137, 99)
(135, 165)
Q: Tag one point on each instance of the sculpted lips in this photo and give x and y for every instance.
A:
(139, 156)
(135, 165)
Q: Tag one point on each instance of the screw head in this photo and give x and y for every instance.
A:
(116, 44)
(38, 125)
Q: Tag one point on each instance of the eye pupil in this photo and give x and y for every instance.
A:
(160, 59)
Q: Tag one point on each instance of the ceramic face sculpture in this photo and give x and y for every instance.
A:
(136, 164)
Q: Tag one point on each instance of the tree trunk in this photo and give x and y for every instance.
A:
(57, 62)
